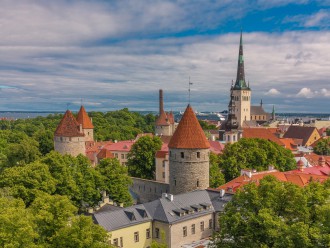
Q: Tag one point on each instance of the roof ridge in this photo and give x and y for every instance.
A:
(83, 118)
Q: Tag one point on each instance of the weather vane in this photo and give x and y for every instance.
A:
(190, 83)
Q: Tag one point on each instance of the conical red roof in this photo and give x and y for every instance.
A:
(189, 133)
(162, 119)
(68, 126)
(83, 119)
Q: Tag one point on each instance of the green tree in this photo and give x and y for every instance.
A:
(254, 154)
(216, 176)
(115, 180)
(16, 224)
(141, 159)
(45, 138)
(26, 181)
(51, 213)
(24, 152)
(323, 147)
(81, 232)
(276, 214)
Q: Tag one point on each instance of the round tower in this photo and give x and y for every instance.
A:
(188, 156)
(87, 126)
(69, 137)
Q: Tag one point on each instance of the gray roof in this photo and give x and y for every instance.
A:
(113, 220)
(257, 110)
(183, 207)
(167, 211)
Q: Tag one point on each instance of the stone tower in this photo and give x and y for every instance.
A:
(241, 92)
(69, 137)
(87, 126)
(188, 156)
(165, 124)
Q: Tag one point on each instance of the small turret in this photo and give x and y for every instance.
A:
(86, 124)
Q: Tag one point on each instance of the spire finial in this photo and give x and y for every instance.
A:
(240, 79)
(189, 83)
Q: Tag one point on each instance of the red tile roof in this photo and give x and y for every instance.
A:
(295, 177)
(68, 126)
(189, 133)
(289, 144)
(163, 151)
(104, 153)
(82, 118)
(162, 119)
(120, 146)
(262, 133)
(216, 147)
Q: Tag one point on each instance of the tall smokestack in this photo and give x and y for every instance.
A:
(161, 102)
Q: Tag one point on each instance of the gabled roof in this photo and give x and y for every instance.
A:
(120, 146)
(68, 126)
(289, 144)
(104, 153)
(300, 132)
(257, 110)
(82, 118)
(216, 147)
(262, 133)
(189, 134)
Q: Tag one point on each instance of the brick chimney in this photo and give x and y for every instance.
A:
(161, 102)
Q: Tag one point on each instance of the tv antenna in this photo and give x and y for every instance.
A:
(189, 84)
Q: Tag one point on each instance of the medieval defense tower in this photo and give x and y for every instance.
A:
(71, 134)
(86, 123)
(241, 92)
(165, 124)
(188, 156)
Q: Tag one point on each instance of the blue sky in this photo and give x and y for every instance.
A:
(116, 54)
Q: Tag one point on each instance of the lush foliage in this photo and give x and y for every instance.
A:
(206, 126)
(216, 176)
(115, 180)
(323, 147)
(141, 159)
(254, 154)
(277, 214)
(50, 221)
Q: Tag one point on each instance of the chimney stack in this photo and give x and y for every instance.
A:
(161, 102)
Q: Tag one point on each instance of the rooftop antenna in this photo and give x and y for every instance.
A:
(190, 83)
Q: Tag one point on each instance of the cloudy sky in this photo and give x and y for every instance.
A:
(116, 54)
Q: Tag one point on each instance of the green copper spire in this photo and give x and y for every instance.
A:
(273, 113)
(240, 79)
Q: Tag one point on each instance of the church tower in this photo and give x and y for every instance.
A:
(86, 123)
(240, 91)
(188, 156)
(69, 137)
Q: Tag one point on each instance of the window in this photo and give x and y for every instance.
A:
(148, 233)
(163, 174)
(202, 226)
(174, 182)
(115, 242)
(197, 183)
(210, 223)
(184, 230)
(182, 154)
(136, 237)
(116, 155)
(198, 154)
(122, 156)
(157, 233)
(193, 229)
(121, 242)
(170, 153)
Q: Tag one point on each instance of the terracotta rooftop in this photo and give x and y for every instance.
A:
(189, 133)
(68, 126)
(82, 118)
(300, 132)
(120, 146)
(262, 133)
(104, 153)
(290, 144)
(295, 177)
(216, 147)
(162, 119)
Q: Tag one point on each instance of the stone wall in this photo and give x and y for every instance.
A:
(163, 130)
(89, 134)
(190, 172)
(70, 145)
(148, 190)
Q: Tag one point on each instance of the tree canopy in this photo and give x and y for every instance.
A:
(254, 154)
(216, 176)
(323, 147)
(141, 159)
(276, 214)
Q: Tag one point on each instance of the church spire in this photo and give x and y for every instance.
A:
(240, 79)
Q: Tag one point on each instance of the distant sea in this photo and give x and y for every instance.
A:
(13, 115)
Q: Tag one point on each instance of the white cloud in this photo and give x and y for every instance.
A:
(306, 92)
(325, 92)
(321, 18)
(272, 92)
